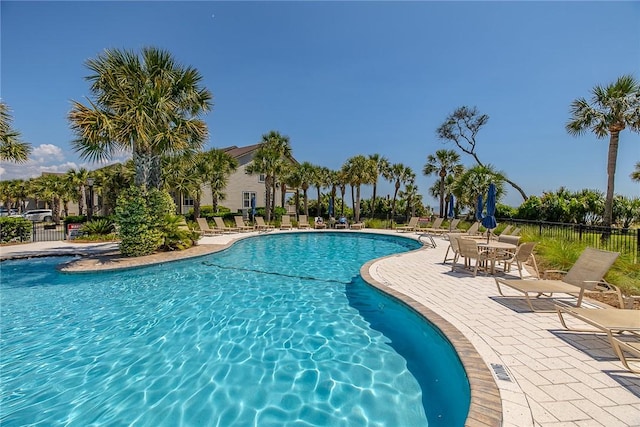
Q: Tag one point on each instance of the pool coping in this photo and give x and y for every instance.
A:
(485, 408)
(486, 405)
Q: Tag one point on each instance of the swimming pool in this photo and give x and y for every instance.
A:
(276, 330)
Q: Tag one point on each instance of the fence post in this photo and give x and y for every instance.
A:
(580, 228)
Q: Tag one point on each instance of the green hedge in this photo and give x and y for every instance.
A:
(15, 229)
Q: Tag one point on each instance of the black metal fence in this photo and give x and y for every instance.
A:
(623, 240)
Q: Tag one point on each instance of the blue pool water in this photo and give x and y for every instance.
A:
(278, 330)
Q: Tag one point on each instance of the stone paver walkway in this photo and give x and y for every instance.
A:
(546, 376)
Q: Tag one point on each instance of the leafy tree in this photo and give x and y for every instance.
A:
(462, 127)
(11, 147)
(147, 105)
(612, 109)
(531, 209)
(444, 163)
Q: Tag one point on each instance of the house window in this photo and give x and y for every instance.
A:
(246, 199)
(187, 201)
(262, 178)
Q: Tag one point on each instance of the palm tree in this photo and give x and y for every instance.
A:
(305, 174)
(185, 176)
(269, 160)
(149, 106)
(380, 165)
(475, 181)
(11, 148)
(612, 109)
(358, 171)
(78, 179)
(398, 174)
(320, 179)
(444, 162)
(219, 167)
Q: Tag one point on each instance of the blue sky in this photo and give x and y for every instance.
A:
(346, 78)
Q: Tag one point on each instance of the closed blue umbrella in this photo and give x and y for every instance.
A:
(489, 221)
(451, 212)
(479, 208)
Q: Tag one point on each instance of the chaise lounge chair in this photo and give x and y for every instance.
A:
(411, 226)
(261, 225)
(613, 322)
(586, 274)
(435, 228)
(303, 222)
(222, 227)
(240, 225)
(285, 222)
(205, 230)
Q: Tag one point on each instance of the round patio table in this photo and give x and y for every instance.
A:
(493, 246)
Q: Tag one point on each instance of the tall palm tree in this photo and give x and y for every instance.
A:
(11, 147)
(305, 173)
(358, 172)
(612, 109)
(147, 105)
(444, 162)
(398, 174)
(320, 180)
(269, 160)
(77, 178)
(218, 169)
(185, 176)
(380, 165)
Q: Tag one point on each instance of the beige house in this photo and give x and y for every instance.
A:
(241, 186)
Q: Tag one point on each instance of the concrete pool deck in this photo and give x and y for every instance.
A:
(545, 375)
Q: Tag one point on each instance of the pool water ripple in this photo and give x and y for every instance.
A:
(217, 341)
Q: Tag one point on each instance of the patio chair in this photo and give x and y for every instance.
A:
(285, 222)
(240, 224)
(520, 257)
(303, 222)
(469, 250)
(514, 240)
(613, 322)
(586, 274)
(453, 225)
(357, 225)
(411, 225)
(516, 231)
(205, 230)
(435, 228)
(222, 227)
(507, 230)
(474, 230)
(453, 246)
(318, 223)
(261, 225)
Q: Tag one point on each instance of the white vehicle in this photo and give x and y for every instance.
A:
(39, 215)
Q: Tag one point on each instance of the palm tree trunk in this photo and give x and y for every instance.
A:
(306, 204)
(442, 197)
(612, 159)
(357, 204)
(319, 209)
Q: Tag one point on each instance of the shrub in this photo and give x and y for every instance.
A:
(140, 215)
(98, 227)
(15, 229)
(176, 234)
